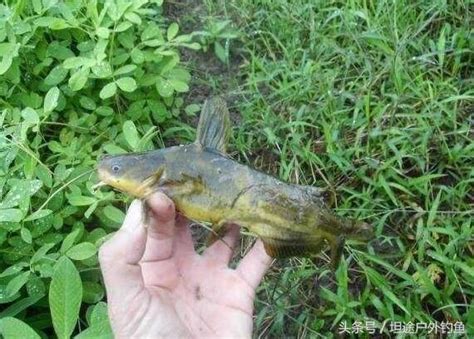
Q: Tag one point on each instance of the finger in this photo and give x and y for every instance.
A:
(162, 272)
(119, 255)
(223, 249)
(253, 266)
(161, 228)
(183, 242)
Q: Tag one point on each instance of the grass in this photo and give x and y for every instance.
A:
(373, 101)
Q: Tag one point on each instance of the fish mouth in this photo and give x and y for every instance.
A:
(103, 176)
(104, 179)
(136, 189)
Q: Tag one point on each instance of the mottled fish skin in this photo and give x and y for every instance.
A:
(208, 186)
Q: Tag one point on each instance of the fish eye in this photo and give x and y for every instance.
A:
(115, 168)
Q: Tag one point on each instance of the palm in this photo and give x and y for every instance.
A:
(206, 297)
(181, 293)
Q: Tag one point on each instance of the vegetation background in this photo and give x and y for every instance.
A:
(372, 100)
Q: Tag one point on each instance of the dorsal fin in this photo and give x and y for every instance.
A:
(214, 127)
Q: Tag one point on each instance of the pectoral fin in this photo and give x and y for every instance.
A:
(214, 126)
(148, 184)
(284, 248)
(216, 233)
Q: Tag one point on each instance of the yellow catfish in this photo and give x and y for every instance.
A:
(207, 185)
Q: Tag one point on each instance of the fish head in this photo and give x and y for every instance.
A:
(133, 173)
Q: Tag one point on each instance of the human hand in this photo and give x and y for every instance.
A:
(158, 286)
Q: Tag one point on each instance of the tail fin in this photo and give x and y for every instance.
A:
(337, 247)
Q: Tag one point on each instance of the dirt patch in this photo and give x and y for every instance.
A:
(210, 76)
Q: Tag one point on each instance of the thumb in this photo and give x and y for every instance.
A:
(119, 256)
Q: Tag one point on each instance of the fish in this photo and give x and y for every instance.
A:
(207, 185)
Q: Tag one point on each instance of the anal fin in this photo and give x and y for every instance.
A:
(284, 248)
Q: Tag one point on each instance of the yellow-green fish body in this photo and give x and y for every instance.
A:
(206, 185)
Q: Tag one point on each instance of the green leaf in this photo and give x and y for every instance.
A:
(30, 116)
(78, 80)
(58, 51)
(26, 235)
(69, 240)
(99, 324)
(81, 251)
(114, 149)
(192, 109)
(80, 200)
(127, 84)
(102, 70)
(21, 190)
(125, 69)
(164, 87)
(65, 295)
(40, 253)
(159, 111)
(37, 6)
(137, 56)
(13, 269)
(20, 305)
(51, 99)
(123, 26)
(51, 22)
(194, 46)
(179, 86)
(76, 62)
(151, 31)
(5, 64)
(87, 103)
(56, 76)
(433, 210)
(11, 215)
(8, 51)
(131, 134)
(38, 214)
(134, 18)
(103, 32)
(16, 283)
(114, 214)
(172, 31)
(91, 210)
(12, 328)
(108, 90)
(92, 292)
(221, 52)
(35, 287)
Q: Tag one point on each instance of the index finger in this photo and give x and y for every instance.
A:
(162, 230)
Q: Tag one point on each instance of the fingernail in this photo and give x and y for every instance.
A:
(162, 206)
(162, 200)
